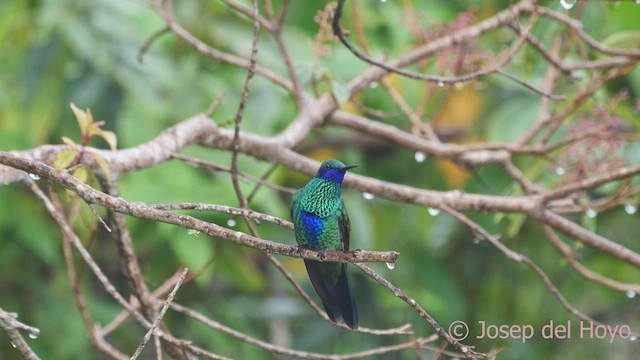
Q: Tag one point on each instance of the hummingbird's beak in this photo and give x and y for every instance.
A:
(349, 167)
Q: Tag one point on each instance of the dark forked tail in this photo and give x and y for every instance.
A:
(332, 284)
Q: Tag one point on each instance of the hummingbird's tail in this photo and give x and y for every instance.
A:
(332, 284)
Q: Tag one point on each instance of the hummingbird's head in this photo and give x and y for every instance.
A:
(333, 170)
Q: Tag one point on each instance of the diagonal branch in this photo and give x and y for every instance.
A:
(140, 210)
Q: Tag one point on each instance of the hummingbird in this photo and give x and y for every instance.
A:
(321, 223)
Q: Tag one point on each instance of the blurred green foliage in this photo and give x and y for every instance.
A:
(53, 53)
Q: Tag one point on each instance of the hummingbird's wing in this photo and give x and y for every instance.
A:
(344, 295)
(345, 227)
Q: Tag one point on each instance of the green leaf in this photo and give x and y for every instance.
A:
(514, 224)
(64, 159)
(103, 165)
(81, 173)
(109, 136)
(84, 118)
(69, 142)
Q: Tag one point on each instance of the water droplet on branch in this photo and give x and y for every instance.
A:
(631, 294)
(391, 265)
(440, 83)
(630, 209)
(373, 84)
(433, 211)
(34, 335)
(368, 196)
(591, 213)
(568, 4)
(35, 176)
(14, 344)
(420, 156)
(559, 171)
(231, 222)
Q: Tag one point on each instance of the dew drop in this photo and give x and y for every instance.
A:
(391, 265)
(591, 213)
(420, 156)
(630, 209)
(231, 222)
(384, 1)
(476, 241)
(368, 196)
(34, 335)
(14, 344)
(373, 84)
(631, 294)
(567, 4)
(35, 176)
(464, 349)
(440, 83)
(239, 235)
(433, 211)
(633, 338)
(559, 171)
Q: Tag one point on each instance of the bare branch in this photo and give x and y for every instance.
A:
(10, 325)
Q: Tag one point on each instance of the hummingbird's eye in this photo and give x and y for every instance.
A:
(327, 166)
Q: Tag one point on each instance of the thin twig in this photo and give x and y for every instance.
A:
(215, 167)
(243, 103)
(142, 52)
(160, 316)
(253, 215)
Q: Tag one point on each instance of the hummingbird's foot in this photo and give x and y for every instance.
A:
(322, 254)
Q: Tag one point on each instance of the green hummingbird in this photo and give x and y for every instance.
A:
(321, 223)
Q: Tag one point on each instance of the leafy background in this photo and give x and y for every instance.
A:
(53, 53)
